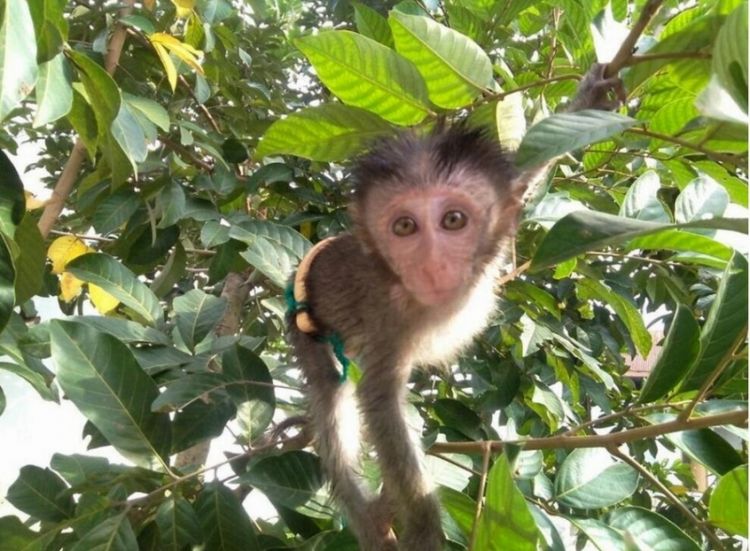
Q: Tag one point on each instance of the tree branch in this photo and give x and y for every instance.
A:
(715, 541)
(625, 53)
(736, 417)
(734, 160)
(643, 58)
(67, 180)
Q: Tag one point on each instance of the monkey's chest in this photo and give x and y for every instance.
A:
(452, 330)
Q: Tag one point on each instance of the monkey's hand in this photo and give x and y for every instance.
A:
(596, 91)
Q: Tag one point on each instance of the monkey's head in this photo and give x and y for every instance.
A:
(436, 208)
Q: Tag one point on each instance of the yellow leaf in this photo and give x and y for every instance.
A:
(70, 286)
(168, 65)
(149, 4)
(101, 299)
(32, 203)
(63, 250)
(184, 7)
(305, 228)
(185, 52)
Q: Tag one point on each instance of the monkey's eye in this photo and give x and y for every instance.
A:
(404, 226)
(453, 220)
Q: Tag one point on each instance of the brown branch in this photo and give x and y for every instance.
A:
(502, 280)
(625, 53)
(235, 292)
(67, 180)
(619, 414)
(535, 84)
(715, 541)
(736, 417)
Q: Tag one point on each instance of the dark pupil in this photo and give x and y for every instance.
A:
(404, 226)
(454, 220)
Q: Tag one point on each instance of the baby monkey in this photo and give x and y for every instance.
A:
(411, 285)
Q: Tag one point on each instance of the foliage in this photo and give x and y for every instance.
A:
(197, 149)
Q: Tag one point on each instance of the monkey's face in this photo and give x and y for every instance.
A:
(431, 237)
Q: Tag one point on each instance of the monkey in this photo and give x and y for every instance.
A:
(411, 285)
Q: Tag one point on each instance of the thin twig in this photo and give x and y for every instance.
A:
(619, 414)
(502, 280)
(716, 373)
(734, 160)
(535, 84)
(735, 417)
(715, 541)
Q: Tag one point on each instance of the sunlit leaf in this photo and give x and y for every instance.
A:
(727, 508)
(54, 93)
(330, 132)
(650, 530)
(18, 68)
(364, 73)
(565, 132)
(455, 69)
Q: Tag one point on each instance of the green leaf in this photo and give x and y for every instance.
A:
(455, 69)
(641, 201)
(225, 523)
(291, 478)
(366, 74)
(36, 380)
(371, 24)
(126, 331)
(3, 401)
(197, 313)
(273, 249)
(565, 132)
(626, 310)
(460, 507)
(150, 109)
(726, 325)
(701, 198)
(115, 210)
(198, 422)
(250, 386)
(329, 132)
(580, 232)
(678, 352)
(112, 534)
(83, 120)
(12, 198)
(18, 69)
(103, 93)
(727, 508)
(729, 60)
(645, 529)
(50, 26)
(100, 376)
(682, 241)
(130, 136)
(590, 479)
(14, 536)
(54, 93)
(506, 522)
(7, 281)
(106, 272)
(707, 448)
(179, 527)
(41, 494)
(30, 261)
(187, 389)
(601, 536)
